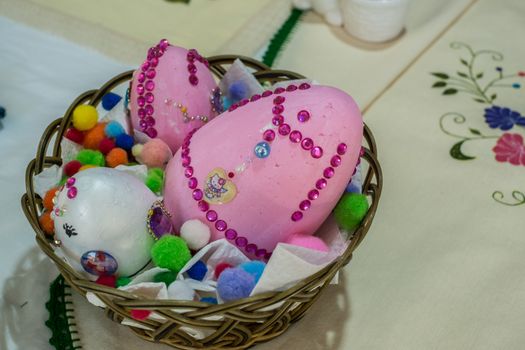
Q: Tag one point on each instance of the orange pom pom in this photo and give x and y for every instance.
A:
(116, 157)
(94, 136)
(48, 198)
(47, 223)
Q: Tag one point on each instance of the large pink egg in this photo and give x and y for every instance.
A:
(268, 168)
(171, 94)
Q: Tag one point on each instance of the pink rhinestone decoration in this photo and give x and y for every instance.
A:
(303, 116)
(72, 190)
(268, 135)
(147, 86)
(191, 57)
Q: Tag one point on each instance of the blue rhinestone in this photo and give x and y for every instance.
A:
(262, 150)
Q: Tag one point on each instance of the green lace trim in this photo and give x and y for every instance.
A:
(281, 37)
(61, 320)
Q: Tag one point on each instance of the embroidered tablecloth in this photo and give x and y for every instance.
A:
(442, 267)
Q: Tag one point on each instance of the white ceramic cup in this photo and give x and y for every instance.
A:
(374, 20)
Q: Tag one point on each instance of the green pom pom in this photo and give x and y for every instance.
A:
(167, 277)
(90, 157)
(155, 180)
(350, 210)
(170, 252)
(123, 281)
(156, 172)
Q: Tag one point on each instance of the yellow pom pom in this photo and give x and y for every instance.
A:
(88, 166)
(85, 117)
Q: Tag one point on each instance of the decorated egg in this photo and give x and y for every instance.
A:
(271, 167)
(172, 93)
(100, 219)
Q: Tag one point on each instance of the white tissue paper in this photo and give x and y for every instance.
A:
(238, 72)
(48, 178)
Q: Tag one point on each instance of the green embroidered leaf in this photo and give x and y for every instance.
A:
(479, 100)
(450, 91)
(479, 76)
(463, 75)
(456, 153)
(439, 84)
(475, 131)
(465, 63)
(493, 97)
(440, 75)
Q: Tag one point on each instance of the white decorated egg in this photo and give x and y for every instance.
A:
(271, 167)
(100, 219)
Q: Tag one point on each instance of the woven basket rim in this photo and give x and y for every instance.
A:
(116, 300)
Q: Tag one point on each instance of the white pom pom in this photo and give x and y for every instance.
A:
(136, 150)
(195, 233)
(180, 291)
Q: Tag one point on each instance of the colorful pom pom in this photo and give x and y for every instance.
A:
(139, 314)
(108, 281)
(307, 241)
(110, 100)
(235, 283)
(195, 233)
(209, 300)
(219, 268)
(181, 291)
(93, 137)
(47, 224)
(254, 268)
(91, 157)
(114, 129)
(85, 117)
(48, 198)
(124, 141)
(72, 167)
(85, 167)
(106, 145)
(123, 281)
(155, 154)
(116, 157)
(155, 180)
(198, 271)
(170, 252)
(74, 135)
(136, 150)
(350, 210)
(166, 277)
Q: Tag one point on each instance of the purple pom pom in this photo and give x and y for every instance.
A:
(234, 284)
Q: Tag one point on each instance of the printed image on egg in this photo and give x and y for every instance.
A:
(269, 168)
(100, 219)
(171, 93)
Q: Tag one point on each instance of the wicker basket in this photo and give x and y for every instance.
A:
(234, 325)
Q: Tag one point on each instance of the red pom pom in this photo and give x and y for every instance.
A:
(74, 135)
(221, 267)
(106, 145)
(109, 281)
(72, 168)
(140, 314)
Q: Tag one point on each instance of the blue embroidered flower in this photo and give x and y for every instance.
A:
(503, 118)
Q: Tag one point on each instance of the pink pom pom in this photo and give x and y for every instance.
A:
(155, 154)
(307, 241)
